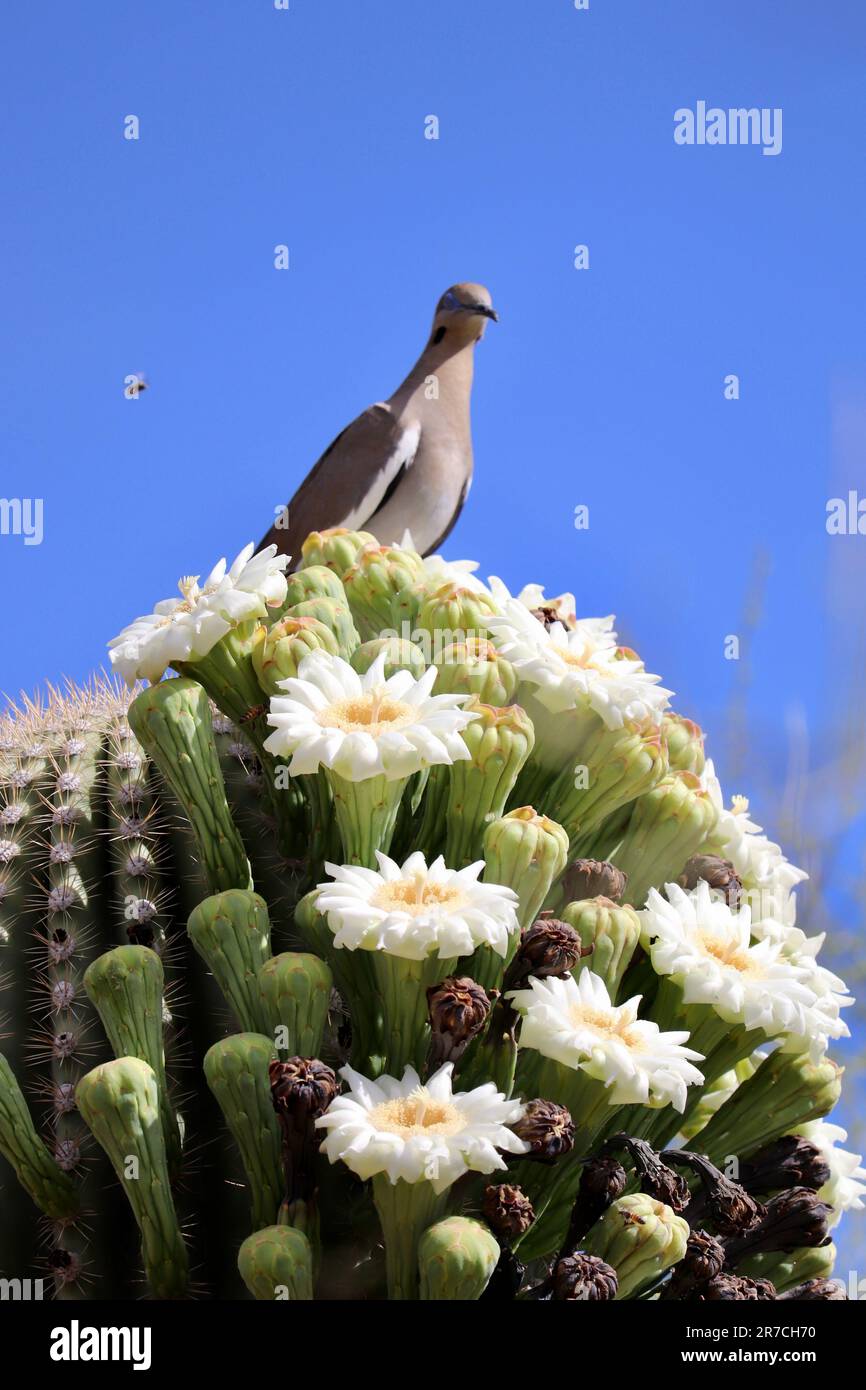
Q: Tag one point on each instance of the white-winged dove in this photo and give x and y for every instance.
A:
(405, 463)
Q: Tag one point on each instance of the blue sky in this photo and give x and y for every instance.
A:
(601, 387)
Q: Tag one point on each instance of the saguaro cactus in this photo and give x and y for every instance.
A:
(400, 967)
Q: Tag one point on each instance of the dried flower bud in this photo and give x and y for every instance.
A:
(603, 1180)
(724, 1203)
(593, 878)
(791, 1161)
(548, 947)
(584, 1278)
(507, 1211)
(704, 1257)
(548, 1130)
(656, 1179)
(719, 873)
(458, 1010)
(813, 1290)
(704, 1260)
(792, 1220)
(735, 1288)
(302, 1086)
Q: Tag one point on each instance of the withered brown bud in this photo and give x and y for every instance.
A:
(301, 1090)
(723, 1203)
(458, 1010)
(593, 878)
(302, 1086)
(735, 1288)
(584, 1278)
(548, 1130)
(604, 1177)
(792, 1220)
(656, 1178)
(704, 1257)
(548, 947)
(719, 873)
(813, 1290)
(703, 1260)
(507, 1211)
(791, 1161)
(603, 1180)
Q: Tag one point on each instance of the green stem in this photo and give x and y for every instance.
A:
(552, 1190)
(402, 986)
(228, 676)
(405, 1211)
(366, 815)
(172, 721)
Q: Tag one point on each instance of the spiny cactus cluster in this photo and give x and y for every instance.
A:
(401, 945)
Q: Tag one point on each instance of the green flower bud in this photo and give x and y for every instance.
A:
(52, 1190)
(336, 548)
(284, 645)
(313, 581)
(474, 667)
(335, 615)
(785, 1091)
(685, 740)
(667, 826)
(172, 722)
(640, 1238)
(383, 588)
(125, 987)
(787, 1270)
(119, 1103)
(232, 934)
(399, 656)
(613, 932)
(582, 773)
(236, 1070)
(525, 852)
(277, 1263)
(499, 742)
(463, 613)
(296, 990)
(456, 1258)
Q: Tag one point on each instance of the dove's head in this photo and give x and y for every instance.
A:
(462, 313)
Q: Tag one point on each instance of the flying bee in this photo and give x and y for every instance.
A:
(134, 384)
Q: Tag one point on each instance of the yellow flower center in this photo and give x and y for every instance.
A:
(374, 713)
(584, 658)
(740, 805)
(608, 1025)
(729, 953)
(417, 1114)
(416, 895)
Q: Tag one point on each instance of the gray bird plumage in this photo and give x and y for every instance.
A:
(404, 463)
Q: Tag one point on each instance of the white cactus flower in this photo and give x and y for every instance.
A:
(571, 667)
(365, 726)
(573, 1021)
(419, 1133)
(414, 911)
(187, 628)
